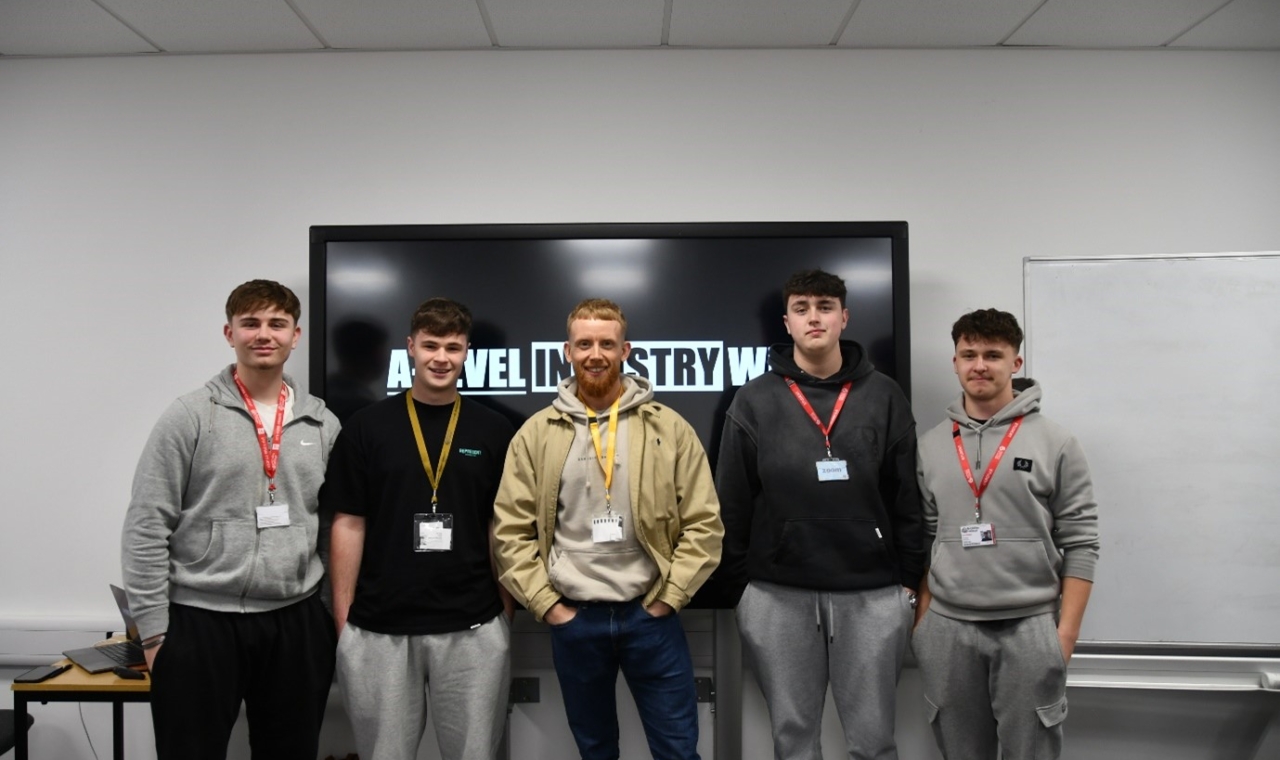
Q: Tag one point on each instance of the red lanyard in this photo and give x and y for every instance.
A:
(270, 452)
(981, 488)
(835, 413)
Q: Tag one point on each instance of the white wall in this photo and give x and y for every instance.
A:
(135, 193)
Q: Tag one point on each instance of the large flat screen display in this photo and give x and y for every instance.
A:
(703, 302)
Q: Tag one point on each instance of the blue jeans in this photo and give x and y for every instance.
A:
(653, 655)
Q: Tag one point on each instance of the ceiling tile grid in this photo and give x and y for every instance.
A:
(224, 26)
(64, 27)
(56, 28)
(576, 23)
(396, 24)
(930, 23)
(1111, 23)
(756, 23)
(1241, 24)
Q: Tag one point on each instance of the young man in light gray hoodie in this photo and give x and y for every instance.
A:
(1013, 526)
(219, 548)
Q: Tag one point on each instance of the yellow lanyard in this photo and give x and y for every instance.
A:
(605, 458)
(433, 475)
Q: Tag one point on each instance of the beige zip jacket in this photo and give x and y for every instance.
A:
(673, 505)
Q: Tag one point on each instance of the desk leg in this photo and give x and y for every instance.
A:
(19, 726)
(117, 729)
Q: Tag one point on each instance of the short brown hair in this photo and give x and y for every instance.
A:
(441, 317)
(989, 325)
(256, 295)
(597, 308)
(814, 282)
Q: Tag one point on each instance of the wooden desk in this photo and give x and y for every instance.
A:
(78, 685)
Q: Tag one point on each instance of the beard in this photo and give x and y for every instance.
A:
(591, 385)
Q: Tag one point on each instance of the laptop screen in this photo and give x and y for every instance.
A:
(122, 601)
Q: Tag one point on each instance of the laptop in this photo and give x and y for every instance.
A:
(104, 657)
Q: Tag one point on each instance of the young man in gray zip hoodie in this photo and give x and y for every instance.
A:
(219, 551)
(1010, 514)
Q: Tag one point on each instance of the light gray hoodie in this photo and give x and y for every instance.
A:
(190, 533)
(1039, 502)
(579, 568)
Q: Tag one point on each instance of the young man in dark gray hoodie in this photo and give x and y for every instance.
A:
(219, 550)
(823, 530)
(1013, 528)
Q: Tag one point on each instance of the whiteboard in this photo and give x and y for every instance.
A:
(1167, 369)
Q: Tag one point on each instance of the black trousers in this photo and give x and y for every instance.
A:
(279, 663)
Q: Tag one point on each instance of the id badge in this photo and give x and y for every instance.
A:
(432, 532)
(606, 529)
(273, 516)
(832, 469)
(978, 534)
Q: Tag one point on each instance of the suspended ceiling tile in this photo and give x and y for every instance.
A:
(400, 24)
(1242, 24)
(1111, 23)
(756, 23)
(576, 23)
(64, 27)
(217, 26)
(929, 23)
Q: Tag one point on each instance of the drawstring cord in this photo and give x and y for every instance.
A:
(831, 615)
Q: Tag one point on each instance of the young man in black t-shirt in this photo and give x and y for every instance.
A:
(421, 619)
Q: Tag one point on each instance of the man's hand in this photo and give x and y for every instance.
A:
(150, 655)
(508, 606)
(559, 614)
(1075, 596)
(659, 609)
(346, 552)
(1067, 640)
(923, 598)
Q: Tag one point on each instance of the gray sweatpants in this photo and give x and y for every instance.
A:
(799, 640)
(388, 680)
(993, 685)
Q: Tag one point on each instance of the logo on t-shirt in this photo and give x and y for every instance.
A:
(469, 452)
(1021, 465)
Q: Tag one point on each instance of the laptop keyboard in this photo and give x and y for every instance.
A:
(123, 652)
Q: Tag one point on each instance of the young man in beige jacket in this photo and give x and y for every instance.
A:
(606, 523)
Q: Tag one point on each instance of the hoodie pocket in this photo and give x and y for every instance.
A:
(837, 549)
(226, 555)
(1016, 572)
(238, 558)
(284, 555)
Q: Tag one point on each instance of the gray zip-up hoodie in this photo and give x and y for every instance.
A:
(1039, 502)
(190, 533)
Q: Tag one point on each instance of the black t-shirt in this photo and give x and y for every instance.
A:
(375, 472)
